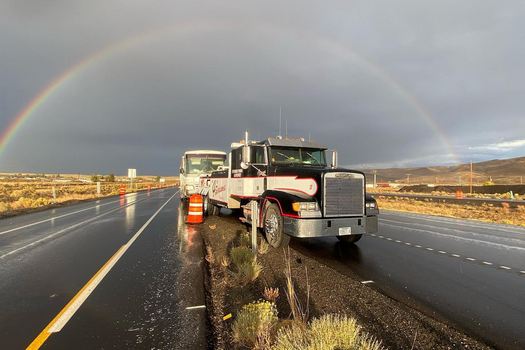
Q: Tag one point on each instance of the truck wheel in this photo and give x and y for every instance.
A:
(349, 239)
(214, 210)
(273, 227)
(206, 205)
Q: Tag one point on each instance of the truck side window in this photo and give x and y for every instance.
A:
(236, 158)
(258, 155)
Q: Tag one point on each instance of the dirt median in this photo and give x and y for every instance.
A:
(396, 325)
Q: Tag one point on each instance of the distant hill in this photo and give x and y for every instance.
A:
(499, 171)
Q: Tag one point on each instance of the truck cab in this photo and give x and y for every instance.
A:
(195, 164)
(297, 192)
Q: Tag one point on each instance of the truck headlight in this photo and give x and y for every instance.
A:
(190, 187)
(371, 205)
(307, 209)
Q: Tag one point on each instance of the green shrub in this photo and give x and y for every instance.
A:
(245, 240)
(241, 256)
(252, 326)
(247, 272)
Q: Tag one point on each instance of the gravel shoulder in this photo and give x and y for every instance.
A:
(395, 324)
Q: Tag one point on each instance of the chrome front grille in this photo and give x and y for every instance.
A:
(343, 194)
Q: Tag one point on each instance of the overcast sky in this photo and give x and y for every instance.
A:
(386, 83)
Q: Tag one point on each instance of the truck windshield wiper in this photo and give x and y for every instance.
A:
(312, 157)
(284, 155)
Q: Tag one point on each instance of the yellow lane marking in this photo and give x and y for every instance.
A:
(60, 320)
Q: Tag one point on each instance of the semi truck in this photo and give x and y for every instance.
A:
(294, 190)
(195, 164)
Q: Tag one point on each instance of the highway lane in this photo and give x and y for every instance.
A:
(142, 299)
(467, 273)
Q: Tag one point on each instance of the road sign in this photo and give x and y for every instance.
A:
(132, 173)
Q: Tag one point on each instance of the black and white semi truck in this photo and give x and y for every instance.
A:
(296, 191)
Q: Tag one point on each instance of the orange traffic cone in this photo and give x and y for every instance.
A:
(459, 194)
(122, 190)
(195, 210)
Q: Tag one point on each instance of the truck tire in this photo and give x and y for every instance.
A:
(206, 205)
(273, 227)
(349, 239)
(214, 210)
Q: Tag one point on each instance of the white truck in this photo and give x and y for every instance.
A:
(296, 192)
(195, 164)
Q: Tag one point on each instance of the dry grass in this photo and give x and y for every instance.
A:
(486, 212)
(263, 247)
(19, 196)
(300, 311)
(328, 332)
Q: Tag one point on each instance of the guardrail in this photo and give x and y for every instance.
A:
(512, 203)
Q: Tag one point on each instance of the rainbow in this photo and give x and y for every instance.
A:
(337, 48)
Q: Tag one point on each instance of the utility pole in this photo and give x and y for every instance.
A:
(375, 178)
(408, 179)
(471, 177)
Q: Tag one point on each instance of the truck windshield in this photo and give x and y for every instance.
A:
(297, 156)
(203, 164)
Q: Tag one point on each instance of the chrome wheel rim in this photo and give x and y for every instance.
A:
(271, 225)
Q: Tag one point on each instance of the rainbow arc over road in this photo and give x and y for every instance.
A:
(91, 60)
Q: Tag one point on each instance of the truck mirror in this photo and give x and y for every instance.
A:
(246, 154)
(244, 165)
(334, 159)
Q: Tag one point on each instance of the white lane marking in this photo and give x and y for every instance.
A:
(367, 282)
(500, 245)
(196, 307)
(67, 229)
(454, 255)
(475, 234)
(373, 234)
(389, 238)
(88, 289)
(398, 241)
(461, 222)
(56, 217)
(381, 237)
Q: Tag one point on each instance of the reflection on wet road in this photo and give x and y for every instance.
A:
(469, 273)
(140, 302)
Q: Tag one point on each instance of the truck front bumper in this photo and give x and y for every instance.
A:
(311, 228)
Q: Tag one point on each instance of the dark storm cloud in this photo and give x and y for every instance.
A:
(359, 77)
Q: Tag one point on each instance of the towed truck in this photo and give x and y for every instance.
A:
(195, 164)
(293, 190)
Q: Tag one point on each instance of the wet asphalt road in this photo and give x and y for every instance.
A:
(47, 257)
(468, 273)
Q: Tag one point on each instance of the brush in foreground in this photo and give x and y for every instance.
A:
(253, 325)
(246, 268)
(299, 311)
(328, 332)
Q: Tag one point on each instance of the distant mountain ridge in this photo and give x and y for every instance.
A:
(500, 171)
